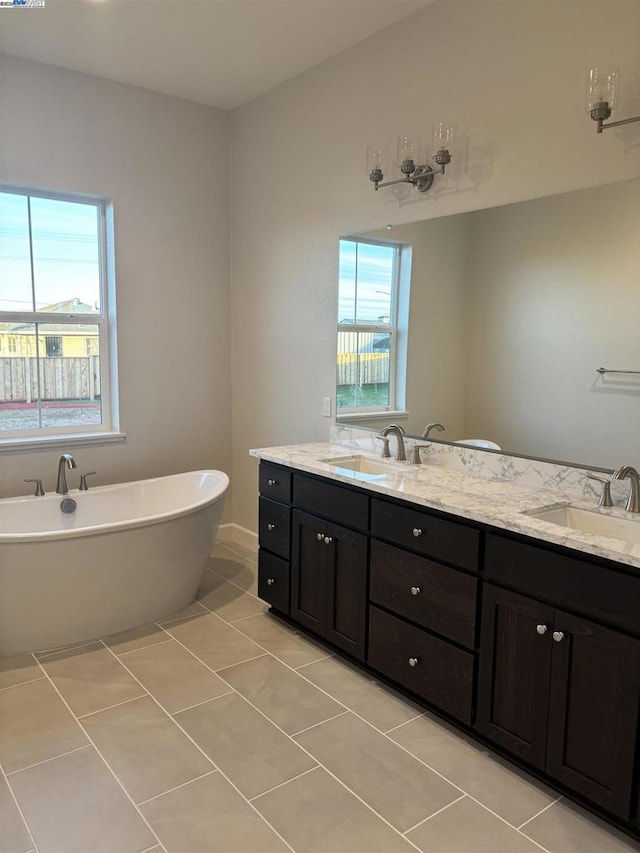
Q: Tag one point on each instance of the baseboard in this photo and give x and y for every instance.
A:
(239, 535)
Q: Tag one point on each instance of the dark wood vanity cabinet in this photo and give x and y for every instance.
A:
(533, 647)
(560, 692)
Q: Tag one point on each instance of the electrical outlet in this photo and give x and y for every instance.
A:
(326, 407)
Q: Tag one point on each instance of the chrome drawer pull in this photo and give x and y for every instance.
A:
(271, 527)
(417, 532)
(541, 629)
(319, 536)
(272, 482)
(414, 661)
(328, 540)
(415, 590)
(271, 581)
(558, 636)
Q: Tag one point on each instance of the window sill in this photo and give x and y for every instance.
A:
(396, 415)
(57, 441)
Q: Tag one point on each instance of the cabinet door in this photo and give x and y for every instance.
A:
(308, 573)
(593, 711)
(273, 580)
(515, 671)
(346, 591)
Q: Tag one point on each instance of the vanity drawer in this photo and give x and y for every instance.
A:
(275, 482)
(345, 506)
(442, 674)
(273, 580)
(273, 526)
(588, 588)
(433, 595)
(434, 537)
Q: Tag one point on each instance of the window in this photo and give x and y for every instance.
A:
(371, 357)
(57, 356)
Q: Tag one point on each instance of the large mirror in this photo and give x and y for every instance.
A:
(513, 311)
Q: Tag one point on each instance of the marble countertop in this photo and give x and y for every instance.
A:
(487, 499)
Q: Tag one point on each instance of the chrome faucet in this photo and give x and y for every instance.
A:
(394, 429)
(66, 461)
(626, 472)
(429, 427)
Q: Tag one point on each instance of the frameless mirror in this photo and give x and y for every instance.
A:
(513, 311)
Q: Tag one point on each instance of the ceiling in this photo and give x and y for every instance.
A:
(223, 53)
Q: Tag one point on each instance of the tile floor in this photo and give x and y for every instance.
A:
(220, 729)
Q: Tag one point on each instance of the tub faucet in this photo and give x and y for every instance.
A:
(394, 429)
(66, 461)
(629, 473)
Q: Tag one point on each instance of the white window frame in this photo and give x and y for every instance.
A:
(397, 328)
(109, 428)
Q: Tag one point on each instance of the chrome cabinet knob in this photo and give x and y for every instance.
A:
(328, 540)
(558, 636)
(272, 482)
(271, 581)
(414, 661)
(541, 629)
(415, 590)
(417, 531)
(271, 527)
(319, 536)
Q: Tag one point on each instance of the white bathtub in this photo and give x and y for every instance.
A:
(130, 554)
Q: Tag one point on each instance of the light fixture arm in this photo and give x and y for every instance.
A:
(602, 126)
(421, 177)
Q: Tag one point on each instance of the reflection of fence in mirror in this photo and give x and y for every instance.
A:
(512, 308)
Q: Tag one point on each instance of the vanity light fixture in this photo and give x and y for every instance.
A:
(408, 148)
(603, 96)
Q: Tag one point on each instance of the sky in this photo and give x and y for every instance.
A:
(66, 260)
(365, 278)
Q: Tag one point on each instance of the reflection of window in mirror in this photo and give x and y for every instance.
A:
(373, 315)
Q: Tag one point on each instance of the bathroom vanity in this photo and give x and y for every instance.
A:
(523, 632)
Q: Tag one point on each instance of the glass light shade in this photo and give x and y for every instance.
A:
(408, 149)
(376, 158)
(603, 86)
(444, 135)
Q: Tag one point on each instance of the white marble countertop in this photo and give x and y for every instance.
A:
(483, 498)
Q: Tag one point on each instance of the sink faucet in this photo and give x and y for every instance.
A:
(626, 472)
(394, 429)
(66, 461)
(429, 427)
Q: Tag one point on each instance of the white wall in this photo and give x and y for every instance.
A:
(511, 73)
(164, 162)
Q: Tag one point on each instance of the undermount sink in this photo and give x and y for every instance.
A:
(360, 467)
(625, 529)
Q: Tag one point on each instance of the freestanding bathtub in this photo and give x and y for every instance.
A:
(130, 553)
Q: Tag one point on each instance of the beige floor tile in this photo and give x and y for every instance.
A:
(73, 804)
(90, 678)
(18, 669)
(243, 572)
(14, 836)
(249, 553)
(281, 694)
(315, 814)
(35, 725)
(393, 783)
(191, 611)
(566, 828)
(282, 641)
(380, 706)
(145, 748)
(244, 745)
(213, 641)
(171, 674)
(505, 790)
(466, 827)
(136, 638)
(227, 600)
(184, 820)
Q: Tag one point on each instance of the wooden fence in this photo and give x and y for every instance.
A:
(70, 378)
(362, 368)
